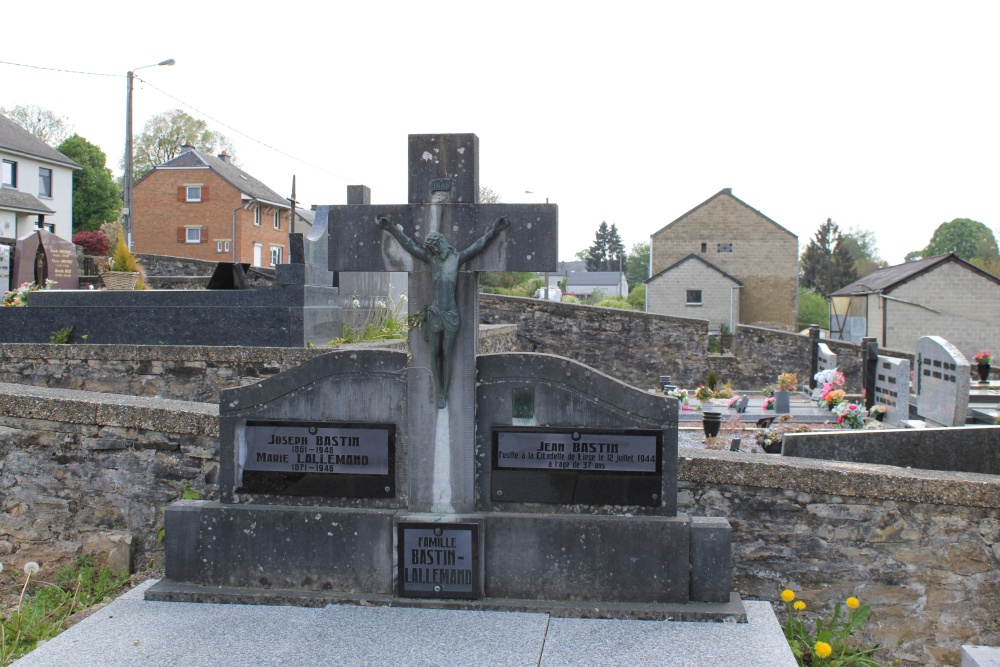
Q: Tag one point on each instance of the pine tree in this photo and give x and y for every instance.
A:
(617, 258)
(597, 256)
(827, 264)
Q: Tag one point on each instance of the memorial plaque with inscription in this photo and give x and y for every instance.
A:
(577, 466)
(438, 560)
(333, 459)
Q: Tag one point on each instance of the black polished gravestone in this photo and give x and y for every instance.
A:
(525, 482)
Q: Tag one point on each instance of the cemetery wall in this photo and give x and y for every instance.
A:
(920, 547)
(188, 373)
(633, 347)
(638, 347)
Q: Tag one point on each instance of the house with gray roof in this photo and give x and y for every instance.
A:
(203, 206)
(36, 185)
(582, 284)
(938, 296)
(694, 287)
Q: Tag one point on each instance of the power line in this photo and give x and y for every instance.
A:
(244, 134)
(55, 69)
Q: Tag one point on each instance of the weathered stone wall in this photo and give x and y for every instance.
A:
(922, 548)
(633, 347)
(638, 347)
(80, 469)
(188, 373)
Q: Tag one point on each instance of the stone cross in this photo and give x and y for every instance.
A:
(442, 463)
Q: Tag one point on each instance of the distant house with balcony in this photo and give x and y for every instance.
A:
(36, 185)
(204, 207)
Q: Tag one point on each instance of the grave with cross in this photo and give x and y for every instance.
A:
(508, 481)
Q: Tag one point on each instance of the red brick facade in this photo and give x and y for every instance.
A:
(162, 217)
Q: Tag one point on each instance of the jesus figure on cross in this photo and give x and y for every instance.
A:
(441, 318)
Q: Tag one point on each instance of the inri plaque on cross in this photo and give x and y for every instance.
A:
(442, 239)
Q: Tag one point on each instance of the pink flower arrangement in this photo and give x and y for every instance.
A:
(769, 403)
(983, 358)
(733, 401)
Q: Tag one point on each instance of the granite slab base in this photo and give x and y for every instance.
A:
(701, 612)
(606, 566)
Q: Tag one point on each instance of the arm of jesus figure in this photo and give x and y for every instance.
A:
(409, 245)
(480, 244)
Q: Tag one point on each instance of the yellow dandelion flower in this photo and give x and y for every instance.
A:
(852, 602)
(787, 595)
(822, 650)
(799, 605)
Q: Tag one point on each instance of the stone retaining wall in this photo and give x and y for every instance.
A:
(920, 547)
(638, 347)
(182, 372)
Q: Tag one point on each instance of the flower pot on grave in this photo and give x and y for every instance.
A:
(711, 422)
(782, 402)
(119, 280)
(664, 381)
(984, 372)
(879, 416)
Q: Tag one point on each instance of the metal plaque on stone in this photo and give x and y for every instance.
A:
(577, 466)
(334, 459)
(438, 560)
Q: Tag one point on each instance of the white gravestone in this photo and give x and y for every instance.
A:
(4, 268)
(826, 360)
(892, 388)
(942, 377)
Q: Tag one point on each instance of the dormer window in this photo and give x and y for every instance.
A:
(193, 193)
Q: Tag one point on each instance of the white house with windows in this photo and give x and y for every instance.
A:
(694, 287)
(36, 185)
(583, 283)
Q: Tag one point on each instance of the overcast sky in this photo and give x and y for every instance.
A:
(880, 115)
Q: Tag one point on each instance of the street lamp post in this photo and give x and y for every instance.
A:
(127, 209)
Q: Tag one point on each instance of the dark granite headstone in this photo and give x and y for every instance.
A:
(228, 275)
(42, 256)
(25, 254)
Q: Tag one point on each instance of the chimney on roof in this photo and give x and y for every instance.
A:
(728, 191)
(188, 146)
(224, 156)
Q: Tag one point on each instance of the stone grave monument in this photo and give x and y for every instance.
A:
(5, 253)
(942, 377)
(446, 478)
(826, 360)
(41, 256)
(892, 388)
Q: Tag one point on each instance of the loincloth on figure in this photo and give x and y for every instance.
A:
(437, 320)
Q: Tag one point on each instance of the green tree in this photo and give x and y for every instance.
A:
(607, 253)
(638, 265)
(826, 263)
(966, 238)
(41, 122)
(813, 309)
(96, 198)
(164, 134)
(863, 248)
(637, 297)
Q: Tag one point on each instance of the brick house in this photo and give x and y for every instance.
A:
(745, 246)
(192, 205)
(937, 296)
